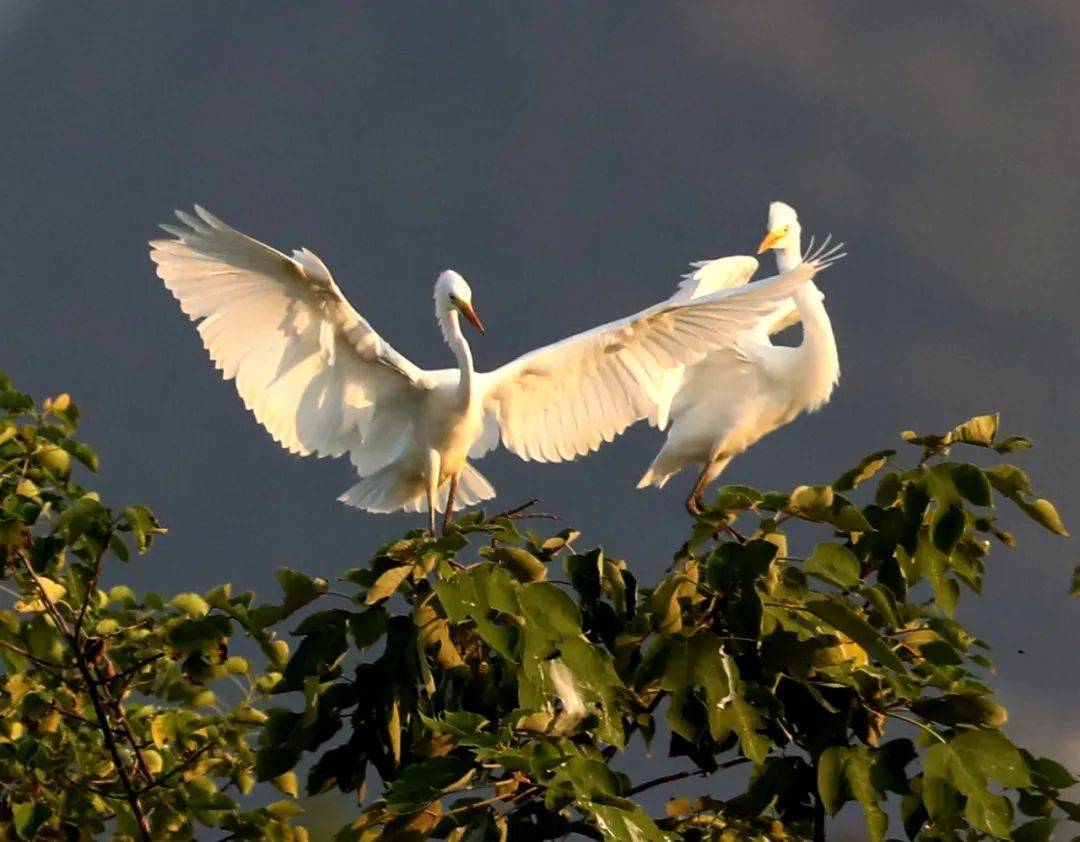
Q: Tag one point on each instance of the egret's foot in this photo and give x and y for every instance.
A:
(695, 503)
(446, 521)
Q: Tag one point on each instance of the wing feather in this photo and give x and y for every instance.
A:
(315, 374)
(567, 398)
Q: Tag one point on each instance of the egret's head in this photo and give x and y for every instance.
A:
(453, 293)
(784, 229)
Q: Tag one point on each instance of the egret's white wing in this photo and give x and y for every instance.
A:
(564, 400)
(311, 369)
(709, 276)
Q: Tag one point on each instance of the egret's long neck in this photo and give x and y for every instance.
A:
(819, 363)
(450, 324)
(819, 367)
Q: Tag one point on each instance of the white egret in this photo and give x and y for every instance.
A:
(737, 394)
(322, 381)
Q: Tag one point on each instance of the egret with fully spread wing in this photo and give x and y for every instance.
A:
(737, 394)
(322, 381)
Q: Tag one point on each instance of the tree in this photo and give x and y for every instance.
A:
(489, 679)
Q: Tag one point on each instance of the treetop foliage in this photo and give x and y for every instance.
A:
(482, 685)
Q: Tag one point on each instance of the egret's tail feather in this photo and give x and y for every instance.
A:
(653, 477)
(386, 490)
(473, 487)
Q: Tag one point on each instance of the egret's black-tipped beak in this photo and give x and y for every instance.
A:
(466, 309)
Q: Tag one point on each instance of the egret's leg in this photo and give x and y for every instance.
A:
(696, 501)
(447, 515)
(713, 468)
(433, 467)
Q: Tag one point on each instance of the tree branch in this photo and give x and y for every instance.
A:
(132, 796)
(50, 606)
(678, 776)
(91, 586)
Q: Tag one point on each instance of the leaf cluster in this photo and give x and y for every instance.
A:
(506, 672)
(119, 714)
(487, 683)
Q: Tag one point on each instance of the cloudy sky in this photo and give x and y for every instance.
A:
(569, 159)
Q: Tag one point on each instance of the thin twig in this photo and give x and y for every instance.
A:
(180, 767)
(664, 779)
(50, 606)
(134, 669)
(140, 758)
(917, 724)
(678, 776)
(91, 586)
(55, 669)
(518, 509)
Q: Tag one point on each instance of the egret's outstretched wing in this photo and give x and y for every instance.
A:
(564, 400)
(311, 369)
(711, 276)
(707, 277)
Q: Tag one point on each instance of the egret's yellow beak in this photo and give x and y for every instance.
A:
(466, 309)
(771, 239)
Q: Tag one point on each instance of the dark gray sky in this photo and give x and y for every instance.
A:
(569, 159)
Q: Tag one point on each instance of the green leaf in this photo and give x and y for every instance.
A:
(1009, 480)
(551, 608)
(979, 430)
(84, 453)
(864, 470)
(387, 584)
(284, 810)
(972, 484)
(272, 761)
(29, 816)
(367, 627)
(836, 563)
(191, 604)
(745, 720)
(859, 773)
(962, 709)
(421, 783)
(1014, 443)
(287, 783)
(521, 564)
(144, 525)
(966, 764)
(841, 617)
(812, 502)
(1043, 513)
(830, 777)
(299, 588)
(947, 527)
(1036, 830)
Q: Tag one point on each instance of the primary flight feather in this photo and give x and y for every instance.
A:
(321, 380)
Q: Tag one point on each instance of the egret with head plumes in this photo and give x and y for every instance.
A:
(744, 390)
